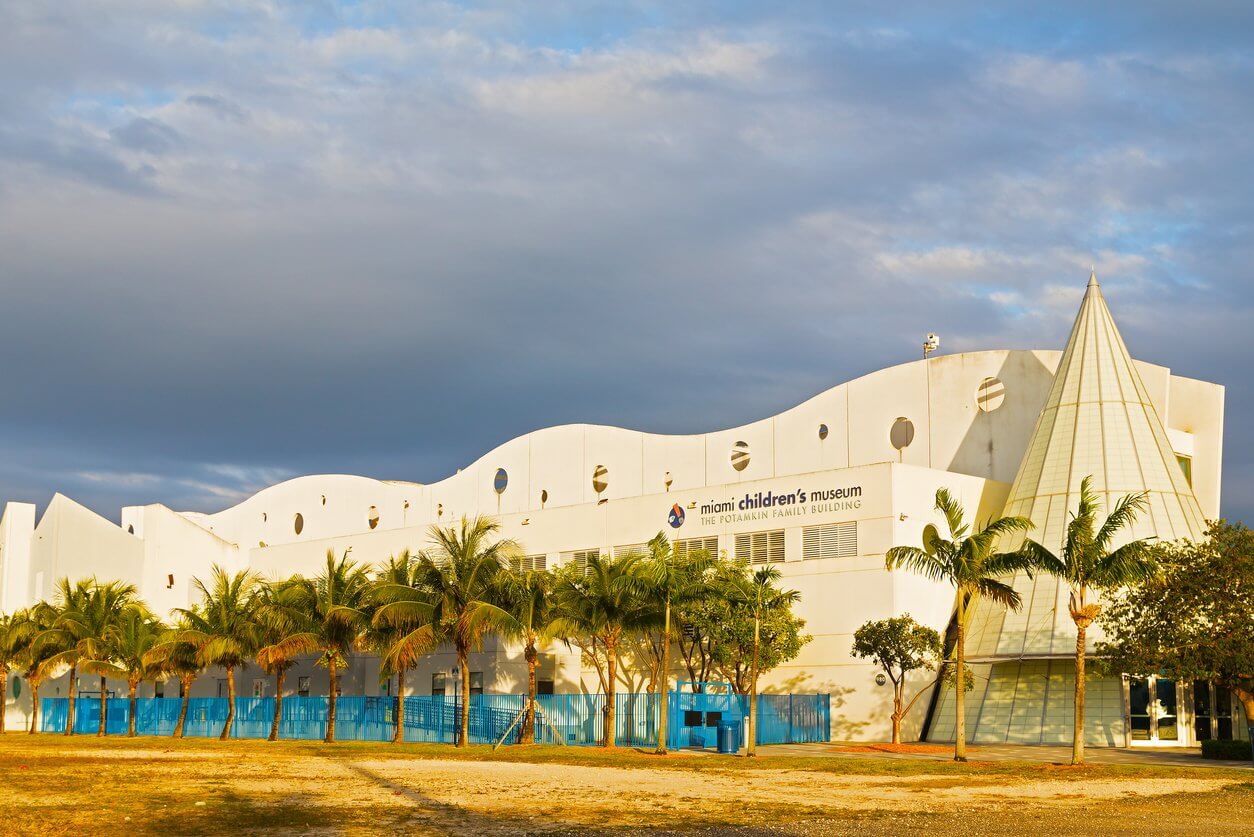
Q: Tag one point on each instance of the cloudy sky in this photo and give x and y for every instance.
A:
(241, 241)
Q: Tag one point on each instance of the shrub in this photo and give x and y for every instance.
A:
(1230, 750)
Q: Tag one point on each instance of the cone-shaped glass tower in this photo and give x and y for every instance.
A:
(1098, 421)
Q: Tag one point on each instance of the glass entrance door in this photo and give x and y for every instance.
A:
(1153, 710)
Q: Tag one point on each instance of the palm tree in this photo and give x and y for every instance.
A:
(452, 601)
(527, 596)
(758, 592)
(180, 658)
(131, 641)
(969, 561)
(328, 616)
(14, 637)
(87, 612)
(1089, 563)
(676, 580)
(277, 622)
(397, 577)
(35, 659)
(223, 627)
(603, 601)
(56, 642)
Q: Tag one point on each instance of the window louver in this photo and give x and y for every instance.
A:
(839, 540)
(761, 547)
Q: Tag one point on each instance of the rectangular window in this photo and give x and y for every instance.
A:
(259, 687)
(761, 547)
(838, 540)
(546, 673)
(580, 558)
(476, 682)
(683, 548)
(439, 683)
(222, 688)
(302, 686)
(1186, 465)
(526, 563)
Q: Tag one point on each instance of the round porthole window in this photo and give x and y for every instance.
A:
(822, 432)
(600, 478)
(740, 456)
(299, 523)
(990, 394)
(372, 517)
(930, 537)
(902, 433)
(500, 481)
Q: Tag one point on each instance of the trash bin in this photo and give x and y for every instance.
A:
(728, 737)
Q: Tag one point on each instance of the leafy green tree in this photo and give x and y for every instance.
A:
(602, 601)
(720, 628)
(758, 597)
(131, 640)
(452, 602)
(327, 615)
(968, 559)
(223, 627)
(674, 580)
(527, 595)
(1191, 620)
(1089, 562)
(899, 646)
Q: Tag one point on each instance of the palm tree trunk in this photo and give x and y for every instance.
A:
(34, 683)
(960, 682)
(611, 692)
(1077, 734)
(528, 733)
(334, 682)
(463, 721)
(134, 704)
(104, 706)
(230, 699)
(278, 704)
(398, 732)
(69, 707)
(4, 691)
(664, 692)
(186, 682)
(751, 749)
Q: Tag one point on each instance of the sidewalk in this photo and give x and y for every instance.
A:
(1179, 756)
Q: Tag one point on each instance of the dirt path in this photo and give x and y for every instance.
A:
(71, 787)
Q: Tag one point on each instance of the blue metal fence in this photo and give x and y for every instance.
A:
(575, 719)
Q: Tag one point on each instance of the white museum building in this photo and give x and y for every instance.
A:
(822, 490)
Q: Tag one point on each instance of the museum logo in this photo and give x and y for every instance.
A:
(676, 517)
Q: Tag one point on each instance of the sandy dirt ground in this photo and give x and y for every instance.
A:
(71, 786)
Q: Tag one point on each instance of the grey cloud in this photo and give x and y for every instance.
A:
(147, 135)
(386, 253)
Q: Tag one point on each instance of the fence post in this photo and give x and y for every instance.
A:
(790, 717)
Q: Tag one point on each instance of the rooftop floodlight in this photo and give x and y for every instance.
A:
(931, 344)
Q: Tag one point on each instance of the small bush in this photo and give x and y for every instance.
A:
(1230, 750)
